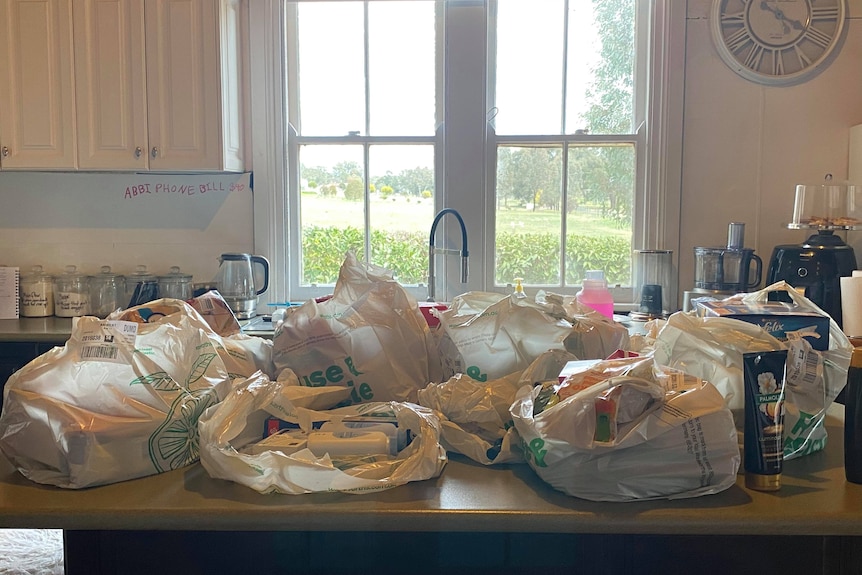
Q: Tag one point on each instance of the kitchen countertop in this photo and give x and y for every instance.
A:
(814, 499)
(40, 329)
(55, 329)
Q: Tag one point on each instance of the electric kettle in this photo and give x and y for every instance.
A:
(236, 282)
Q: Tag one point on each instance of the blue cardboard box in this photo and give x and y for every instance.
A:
(779, 319)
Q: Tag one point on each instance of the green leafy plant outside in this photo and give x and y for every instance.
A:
(532, 256)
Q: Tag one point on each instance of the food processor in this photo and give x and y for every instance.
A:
(720, 272)
(815, 267)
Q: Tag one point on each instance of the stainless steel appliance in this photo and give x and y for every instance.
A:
(238, 284)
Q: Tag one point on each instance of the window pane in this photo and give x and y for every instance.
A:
(528, 215)
(331, 68)
(402, 209)
(529, 69)
(401, 68)
(332, 210)
(599, 203)
(600, 67)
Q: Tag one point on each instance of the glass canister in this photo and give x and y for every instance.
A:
(71, 293)
(176, 284)
(37, 293)
(141, 287)
(107, 292)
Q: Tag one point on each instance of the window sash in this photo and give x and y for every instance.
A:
(468, 136)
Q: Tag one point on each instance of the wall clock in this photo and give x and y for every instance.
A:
(777, 42)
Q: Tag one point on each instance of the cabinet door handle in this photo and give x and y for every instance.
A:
(5, 151)
(138, 152)
(154, 152)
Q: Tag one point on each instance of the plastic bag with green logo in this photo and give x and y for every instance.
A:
(627, 429)
(231, 445)
(369, 336)
(120, 400)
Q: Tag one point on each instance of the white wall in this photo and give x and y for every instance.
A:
(90, 220)
(746, 146)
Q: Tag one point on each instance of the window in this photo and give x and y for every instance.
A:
(551, 127)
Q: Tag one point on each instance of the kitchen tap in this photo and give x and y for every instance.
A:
(432, 251)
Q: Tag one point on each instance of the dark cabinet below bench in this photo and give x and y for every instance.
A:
(17, 354)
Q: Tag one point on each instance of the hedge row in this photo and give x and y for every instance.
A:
(534, 257)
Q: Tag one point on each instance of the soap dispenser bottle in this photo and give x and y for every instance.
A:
(595, 294)
(519, 289)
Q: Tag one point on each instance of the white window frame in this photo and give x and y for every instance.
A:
(466, 135)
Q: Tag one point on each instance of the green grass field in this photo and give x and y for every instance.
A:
(399, 213)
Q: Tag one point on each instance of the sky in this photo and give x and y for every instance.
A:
(401, 44)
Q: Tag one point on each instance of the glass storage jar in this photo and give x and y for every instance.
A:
(107, 292)
(176, 284)
(37, 293)
(71, 294)
(141, 287)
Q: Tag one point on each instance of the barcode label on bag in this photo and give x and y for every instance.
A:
(99, 352)
(102, 342)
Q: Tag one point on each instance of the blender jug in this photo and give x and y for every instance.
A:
(726, 270)
(654, 284)
(236, 282)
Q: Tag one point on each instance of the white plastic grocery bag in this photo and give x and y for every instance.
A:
(628, 430)
(242, 354)
(477, 422)
(369, 336)
(120, 400)
(228, 429)
(712, 347)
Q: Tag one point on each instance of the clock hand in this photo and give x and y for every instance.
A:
(781, 17)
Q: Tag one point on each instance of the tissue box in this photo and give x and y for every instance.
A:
(781, 320)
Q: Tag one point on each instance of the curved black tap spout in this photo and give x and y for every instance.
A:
(432, 251)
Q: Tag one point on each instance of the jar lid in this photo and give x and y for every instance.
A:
(71, 272)
(175, 275)
(105, 272)
(36, 274)
(141, 275)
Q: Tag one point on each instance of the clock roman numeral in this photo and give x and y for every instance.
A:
(737, 40)
(777, 63)
(824, 13)
(821, 39)
(754, 57)
(804, 60)
(733, 18)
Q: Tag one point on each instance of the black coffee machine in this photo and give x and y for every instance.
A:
(816, 267)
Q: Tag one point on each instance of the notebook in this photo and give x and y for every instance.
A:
(9, 292)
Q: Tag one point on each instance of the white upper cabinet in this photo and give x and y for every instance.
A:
(157, 84)
(37, 97)
(154, 84)
(192, 85)
(111, 84)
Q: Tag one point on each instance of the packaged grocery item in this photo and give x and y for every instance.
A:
(764, 419)
(644, 431)
(227, 431)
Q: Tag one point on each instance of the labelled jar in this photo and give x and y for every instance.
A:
(37, 293)
(71, 293)
(176, 284)
(107, 292)
(141, 287)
